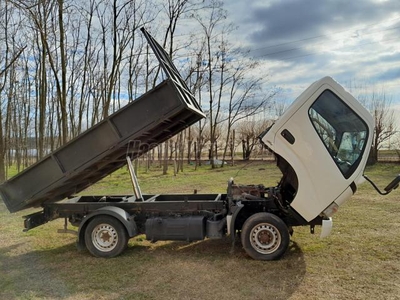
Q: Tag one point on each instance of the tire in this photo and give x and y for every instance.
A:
(105, 236)
(265, 236)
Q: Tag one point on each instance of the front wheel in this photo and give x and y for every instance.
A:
(105, 236)
(265, 236)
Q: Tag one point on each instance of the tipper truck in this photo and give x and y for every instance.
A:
(321, 144)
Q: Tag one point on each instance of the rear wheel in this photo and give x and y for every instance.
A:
(265, 236)
(105, 236)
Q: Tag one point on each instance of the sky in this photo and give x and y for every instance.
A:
(300, 41)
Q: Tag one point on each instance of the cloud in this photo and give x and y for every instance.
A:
(299, 19)
(390, 57)
(391, 74)
(393, 31)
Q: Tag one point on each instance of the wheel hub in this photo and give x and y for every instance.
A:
(265, 238)
(104, 237)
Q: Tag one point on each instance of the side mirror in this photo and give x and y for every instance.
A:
(393, 185)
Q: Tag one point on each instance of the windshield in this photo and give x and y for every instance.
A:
(341, 130)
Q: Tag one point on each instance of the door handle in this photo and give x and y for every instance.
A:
(288, 136)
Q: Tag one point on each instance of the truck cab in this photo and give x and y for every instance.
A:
(322, 143)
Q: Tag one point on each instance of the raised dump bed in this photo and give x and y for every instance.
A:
(135, 129)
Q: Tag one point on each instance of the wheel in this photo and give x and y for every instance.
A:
(105, 236)
(265, 236)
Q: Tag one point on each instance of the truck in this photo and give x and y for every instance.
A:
(321, 144)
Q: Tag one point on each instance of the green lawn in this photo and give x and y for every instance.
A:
(360, 260)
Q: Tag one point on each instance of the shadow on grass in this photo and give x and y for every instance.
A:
(220, 248)
(168, 270)
(245, 277)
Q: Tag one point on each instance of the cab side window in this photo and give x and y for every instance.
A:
(341, 130)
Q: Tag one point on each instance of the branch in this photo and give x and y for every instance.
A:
(12, 61)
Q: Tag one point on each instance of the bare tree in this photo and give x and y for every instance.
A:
(209, 27)
(385, 124)
(8, 58)
(195, 79)
(248, 96)
(62, 91)
(175, 11)
(40, 13)
(379, 105)
(396, 145)
(249, 131)
(279, 106)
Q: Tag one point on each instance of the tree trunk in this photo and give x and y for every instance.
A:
(63, 94)
(165, 163)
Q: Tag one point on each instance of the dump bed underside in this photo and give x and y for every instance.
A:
(133, 130)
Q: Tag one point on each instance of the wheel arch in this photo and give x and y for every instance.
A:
(232, 224)
(239, 216)
(116, 212)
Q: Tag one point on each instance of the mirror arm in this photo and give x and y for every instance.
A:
(394, 184)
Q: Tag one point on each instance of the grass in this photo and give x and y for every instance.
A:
(360, 260)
